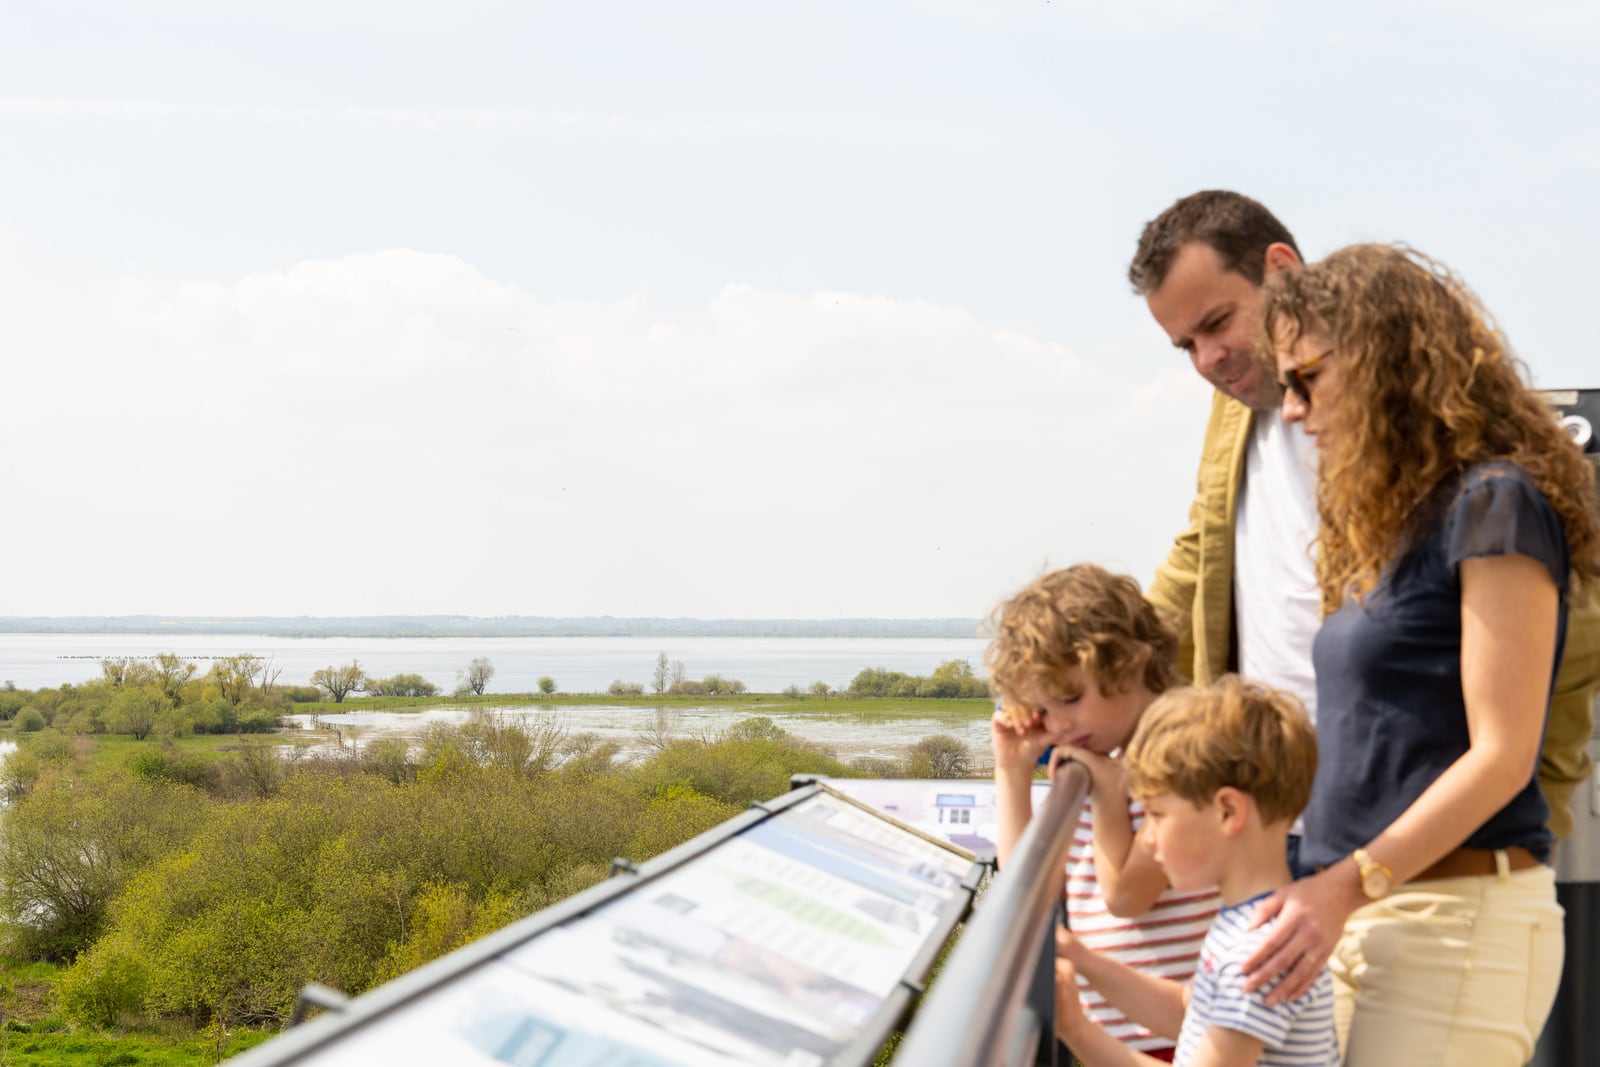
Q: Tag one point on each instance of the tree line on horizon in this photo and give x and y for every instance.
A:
(167, 694)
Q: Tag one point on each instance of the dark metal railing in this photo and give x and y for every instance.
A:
(993, 1003)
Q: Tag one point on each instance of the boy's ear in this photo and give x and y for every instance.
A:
(1233, 808)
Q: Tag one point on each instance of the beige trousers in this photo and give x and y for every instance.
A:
(1450, 971)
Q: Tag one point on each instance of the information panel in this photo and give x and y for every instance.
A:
(779, 945)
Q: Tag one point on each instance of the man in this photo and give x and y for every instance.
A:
(1239, 581)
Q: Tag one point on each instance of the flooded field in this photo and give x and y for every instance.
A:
(849, 737)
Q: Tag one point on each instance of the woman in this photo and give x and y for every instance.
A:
(1455, 515)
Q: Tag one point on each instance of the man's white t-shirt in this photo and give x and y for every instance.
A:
(1277, 606)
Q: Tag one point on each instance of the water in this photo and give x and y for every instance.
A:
(578, 664)
(849, 738)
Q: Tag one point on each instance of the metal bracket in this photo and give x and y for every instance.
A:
(315, 995)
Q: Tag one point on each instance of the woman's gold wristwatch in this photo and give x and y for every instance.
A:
(1376, 878)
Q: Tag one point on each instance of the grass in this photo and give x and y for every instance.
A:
(32, 1031)
(128, 1048)
(864, 709)
(114, 750)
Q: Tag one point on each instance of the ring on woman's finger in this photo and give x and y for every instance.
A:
(1311, 960)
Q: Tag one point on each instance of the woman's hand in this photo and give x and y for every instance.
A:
(1310, 916)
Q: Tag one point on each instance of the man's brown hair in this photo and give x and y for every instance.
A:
(1082, 616)
(1191, 742)
(1238, 228)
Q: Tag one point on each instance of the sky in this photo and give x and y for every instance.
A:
(718, 310)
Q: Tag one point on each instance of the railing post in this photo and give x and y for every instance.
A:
(994, 1000)
(1572, 1033)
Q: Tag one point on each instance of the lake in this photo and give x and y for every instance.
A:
(578, 664)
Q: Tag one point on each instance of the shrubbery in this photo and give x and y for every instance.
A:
(214, 890)
(714, 684)
(11, 702)
(939, 756)
(954, 678)
(160, 696)
(402, 685)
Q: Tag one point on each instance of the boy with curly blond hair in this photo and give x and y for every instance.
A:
(1223, 772)
(1076, 659)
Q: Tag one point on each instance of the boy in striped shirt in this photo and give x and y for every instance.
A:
(1223, 772)
(1077, 657)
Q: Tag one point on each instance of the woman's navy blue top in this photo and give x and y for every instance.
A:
(1390, 711)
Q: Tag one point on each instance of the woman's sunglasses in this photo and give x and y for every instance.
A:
(1294, 383)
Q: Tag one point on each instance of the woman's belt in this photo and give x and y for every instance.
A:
(1468, 862)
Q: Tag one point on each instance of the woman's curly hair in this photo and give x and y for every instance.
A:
(1081, 616)
(1429, 387)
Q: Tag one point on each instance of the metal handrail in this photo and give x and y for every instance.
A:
(990, 1004)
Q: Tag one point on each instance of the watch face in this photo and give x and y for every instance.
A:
(1375, 884)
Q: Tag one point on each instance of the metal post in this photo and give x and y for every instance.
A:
(979, 1010)
(1572, 1034)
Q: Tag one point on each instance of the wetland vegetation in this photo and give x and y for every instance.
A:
(174, 866)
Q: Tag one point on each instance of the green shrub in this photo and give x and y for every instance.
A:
(70, 846)
(402, 685)
(167, 763)
(389, 757)
(30, 720)
(756, 728)
(734, 771)
(51, 746)
(586, 755)
(878, 767)
(258, 721)
(18, 773)
(11, 702)
(102, 986)
(673, 817)
(939, 756)
(875, 682)
(442, 919)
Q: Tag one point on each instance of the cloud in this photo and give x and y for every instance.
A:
(590, 125)
(395, 431)
(1247, 17)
